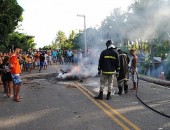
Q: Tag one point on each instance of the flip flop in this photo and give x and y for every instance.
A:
(17, 100)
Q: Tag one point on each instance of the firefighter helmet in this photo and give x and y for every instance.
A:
(109, 42)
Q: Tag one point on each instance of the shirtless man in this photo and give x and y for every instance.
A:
(134, 62)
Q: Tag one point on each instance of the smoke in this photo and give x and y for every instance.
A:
(145, 21)
(151, 21)
(86, 67)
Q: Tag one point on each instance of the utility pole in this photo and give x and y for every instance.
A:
(85, 44)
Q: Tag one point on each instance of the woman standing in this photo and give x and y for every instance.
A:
(7, 78)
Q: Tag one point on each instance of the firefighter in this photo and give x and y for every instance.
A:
(108, 66)
(123, 72)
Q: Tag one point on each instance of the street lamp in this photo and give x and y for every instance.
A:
(85, 44)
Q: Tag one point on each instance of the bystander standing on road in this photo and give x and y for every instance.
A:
(69, 55)
(15, 72)
(49, 57)
(7, 78)
(46, 60)
(133, 68)
(42, 61)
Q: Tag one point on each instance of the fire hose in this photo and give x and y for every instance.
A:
(159, 112)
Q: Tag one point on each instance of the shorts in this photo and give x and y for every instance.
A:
(16, 78)
(134, 77)
(46, 62)
(42, 64)
(29, 65)
(37, 63)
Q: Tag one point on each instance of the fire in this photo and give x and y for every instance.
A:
(75, 72)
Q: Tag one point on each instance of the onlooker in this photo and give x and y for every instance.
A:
(75, 58)
(65, 56)
(37, 59)
(54, 56)
(69, 55)
(133, 68)
(29, 64)
(42, 61)
(7, 78)
(49, 57)
(15, 72)
(46, 60)
(161, 76)
(60, 55)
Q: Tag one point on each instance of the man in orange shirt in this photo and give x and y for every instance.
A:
(15, 72)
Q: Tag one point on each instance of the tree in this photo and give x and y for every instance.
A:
(22, 40)
(62, 42)
(70, 41)
(113, 27)
(60, 39)
(10, 15)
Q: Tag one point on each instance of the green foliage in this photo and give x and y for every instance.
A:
(22, 40)
(10, 15)
(64, 43)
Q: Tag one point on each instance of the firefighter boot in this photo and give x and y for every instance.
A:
(108, 96)
(120, 90)
(100, 96)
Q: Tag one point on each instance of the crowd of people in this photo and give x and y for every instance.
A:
(35, 59)
(112, 61)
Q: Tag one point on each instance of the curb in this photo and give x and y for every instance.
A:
(155, 81)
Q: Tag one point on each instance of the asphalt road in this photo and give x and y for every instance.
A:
(49, 104)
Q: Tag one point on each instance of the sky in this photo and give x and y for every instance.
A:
(44, 18)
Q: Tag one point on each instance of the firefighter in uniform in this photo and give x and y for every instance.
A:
(123, 72)
(108, 66)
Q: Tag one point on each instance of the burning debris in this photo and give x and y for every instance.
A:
(77, 72)
(68, 74)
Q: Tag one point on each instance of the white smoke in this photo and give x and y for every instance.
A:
(86, 67)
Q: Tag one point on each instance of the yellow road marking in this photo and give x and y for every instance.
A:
(110, 108)
(103, 109)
